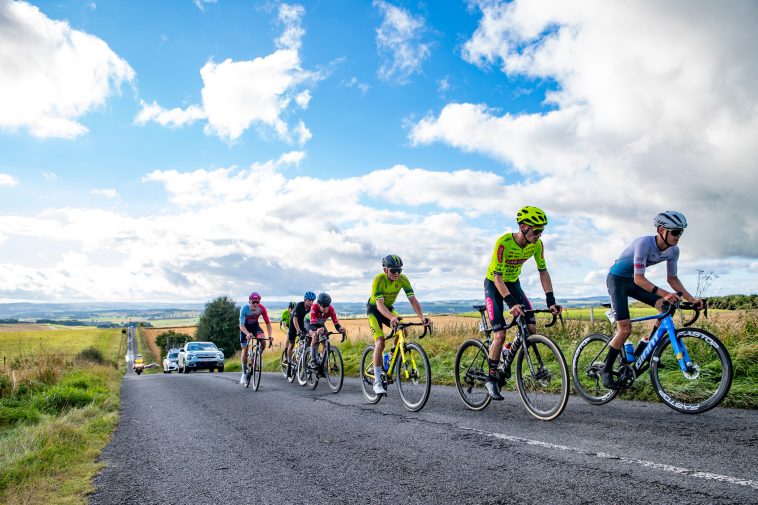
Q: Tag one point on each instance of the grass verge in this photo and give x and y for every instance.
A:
(55, 418)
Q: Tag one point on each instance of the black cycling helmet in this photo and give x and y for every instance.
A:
(392, 261)
(291, 305)
(324, 299)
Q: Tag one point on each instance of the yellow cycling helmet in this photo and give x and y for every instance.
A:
(531, 216)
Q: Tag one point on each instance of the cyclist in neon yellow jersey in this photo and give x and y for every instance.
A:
(380, 311)
(512, 250)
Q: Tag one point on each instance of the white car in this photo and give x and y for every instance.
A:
(171, 361)
(197, 355)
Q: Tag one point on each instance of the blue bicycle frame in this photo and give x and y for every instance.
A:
(667, 325)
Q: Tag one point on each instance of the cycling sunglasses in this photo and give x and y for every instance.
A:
(538, 231)
(255, 303)
(395, 271)
(676, 233)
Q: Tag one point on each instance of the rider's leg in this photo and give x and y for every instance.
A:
(314, 347)
(623, 329)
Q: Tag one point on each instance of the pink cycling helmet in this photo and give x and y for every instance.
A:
(254, 297)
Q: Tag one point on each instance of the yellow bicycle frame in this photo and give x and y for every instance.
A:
(399, 344)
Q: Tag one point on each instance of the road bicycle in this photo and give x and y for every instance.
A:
(254, 362)
(408, 364)
(329, 364)
(542, 376)
(690, 368)
(298, 357)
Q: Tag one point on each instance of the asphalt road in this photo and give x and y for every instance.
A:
(204, 438)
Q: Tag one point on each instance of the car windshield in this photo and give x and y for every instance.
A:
(173, 355)
(202, 346)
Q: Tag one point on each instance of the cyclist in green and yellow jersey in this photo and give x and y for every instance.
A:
(502, 284)
(380, 311)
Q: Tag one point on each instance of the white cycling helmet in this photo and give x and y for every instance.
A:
(670, 220)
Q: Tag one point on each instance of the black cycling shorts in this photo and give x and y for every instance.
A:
(620, 289)
(494, 303)
(254, 328)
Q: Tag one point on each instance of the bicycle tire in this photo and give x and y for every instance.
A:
(300, 373)
(692, 395)
(412, 383)
(294, 360)
(585, 370)
(471, 369)
(367, 375)
(311, 376)
(335, 371)
(257, 369)
(544, 389)
(283, 364)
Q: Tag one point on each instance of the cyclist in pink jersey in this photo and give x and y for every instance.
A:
(250, 327)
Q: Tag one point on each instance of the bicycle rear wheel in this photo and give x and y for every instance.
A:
(367, 375)
(588, 362)
(300, 373)
(283, 364)
(471, 371)
(257, 369)
(542, 377)
(335, 373)
(311, 374)
(414, 377)
(706, 382)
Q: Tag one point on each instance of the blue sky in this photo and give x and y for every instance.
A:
(176, 151)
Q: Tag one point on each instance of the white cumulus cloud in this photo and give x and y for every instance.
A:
(51, 73)
(399, 41)
(238, 95)
(8, 180)
(105, 192)
(639, 120)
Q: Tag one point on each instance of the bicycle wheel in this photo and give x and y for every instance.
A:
(257, 369)
(249, 373)
(367, 375)
(588, 362)
(300, 372)
(542, 377)
(707, 380)
(335, 372)
(283, 364)
(414, 377)
(311, 374)
(471, 371)
(294, 360)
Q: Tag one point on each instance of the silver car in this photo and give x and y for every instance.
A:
(200, 355)
(171, 361)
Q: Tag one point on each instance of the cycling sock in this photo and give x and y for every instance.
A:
(377, 374)
(610, 359)
(493, 363)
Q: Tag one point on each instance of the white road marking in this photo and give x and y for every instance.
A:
(632, 461)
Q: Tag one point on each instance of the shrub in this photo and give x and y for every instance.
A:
(91, 354)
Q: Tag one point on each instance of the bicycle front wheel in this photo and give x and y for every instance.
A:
(588, 362)
(542, 377)
(257, 369)
(705, 382)
(367, 375)
(335, 373)
(414, 377)
(471, 371)
(293, 367)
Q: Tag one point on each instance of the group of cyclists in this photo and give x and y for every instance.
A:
(626, 278)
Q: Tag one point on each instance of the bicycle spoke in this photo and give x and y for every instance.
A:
(588, 362)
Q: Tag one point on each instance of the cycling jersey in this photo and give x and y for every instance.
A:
(320, 316)
(508, 258)
(298, 313)
(386, 290)
(642, 253)
(249, 316)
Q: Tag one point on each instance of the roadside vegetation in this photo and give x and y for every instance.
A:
(58, 406)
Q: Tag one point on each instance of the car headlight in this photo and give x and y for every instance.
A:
(220, 356)
(191, 356)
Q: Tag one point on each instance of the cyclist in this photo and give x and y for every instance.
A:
(502, 283)
(284, 321)
(321, 311)
(627, 278)
(384, 291)
(249, 326)
(297, 324)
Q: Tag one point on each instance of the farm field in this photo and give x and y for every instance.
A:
(30, 340)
